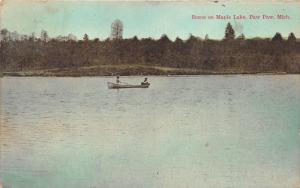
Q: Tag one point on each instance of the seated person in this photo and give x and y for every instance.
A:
(145, 82)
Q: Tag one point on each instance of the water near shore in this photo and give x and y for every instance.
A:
(195, 131)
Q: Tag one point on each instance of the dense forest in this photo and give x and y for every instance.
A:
(66, 56)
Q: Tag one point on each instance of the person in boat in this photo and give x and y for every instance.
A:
(118, 80)
(145, 82)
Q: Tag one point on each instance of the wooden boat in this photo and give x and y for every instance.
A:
(121, 86)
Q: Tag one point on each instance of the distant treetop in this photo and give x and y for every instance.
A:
(229, 32)
(117, 30)
(164, 38)
(277, 37)
(291, 38)
(85, 37)
(241, 37)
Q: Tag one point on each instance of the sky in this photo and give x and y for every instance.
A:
(147, 19)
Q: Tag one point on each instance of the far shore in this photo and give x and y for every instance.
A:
(126, 70)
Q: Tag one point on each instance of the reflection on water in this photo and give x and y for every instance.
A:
(196, 131)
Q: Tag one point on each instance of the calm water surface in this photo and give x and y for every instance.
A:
(196, 131)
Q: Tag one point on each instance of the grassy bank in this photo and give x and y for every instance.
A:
(124, 70)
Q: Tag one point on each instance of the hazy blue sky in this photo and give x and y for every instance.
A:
(146, 19)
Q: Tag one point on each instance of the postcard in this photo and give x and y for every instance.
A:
(149, 94)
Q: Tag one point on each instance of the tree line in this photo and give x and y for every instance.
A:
(232, 54)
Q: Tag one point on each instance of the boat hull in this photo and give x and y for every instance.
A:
(124, 86)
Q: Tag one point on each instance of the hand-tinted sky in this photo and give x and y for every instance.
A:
(143, 19)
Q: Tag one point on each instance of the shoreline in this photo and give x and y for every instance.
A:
(130, 70)
(19, 74)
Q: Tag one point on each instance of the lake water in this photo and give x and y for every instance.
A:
(182, 132)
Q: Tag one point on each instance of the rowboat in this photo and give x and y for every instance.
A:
(121, 86)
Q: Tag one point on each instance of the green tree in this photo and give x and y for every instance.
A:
(241, 37)
(291, 38)
(277, 37)
(4, 35)
(178, 41)
(164, 38)
(44, 36)
(229, 32)
(191, 39)
(85, 37)
(135, 38)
